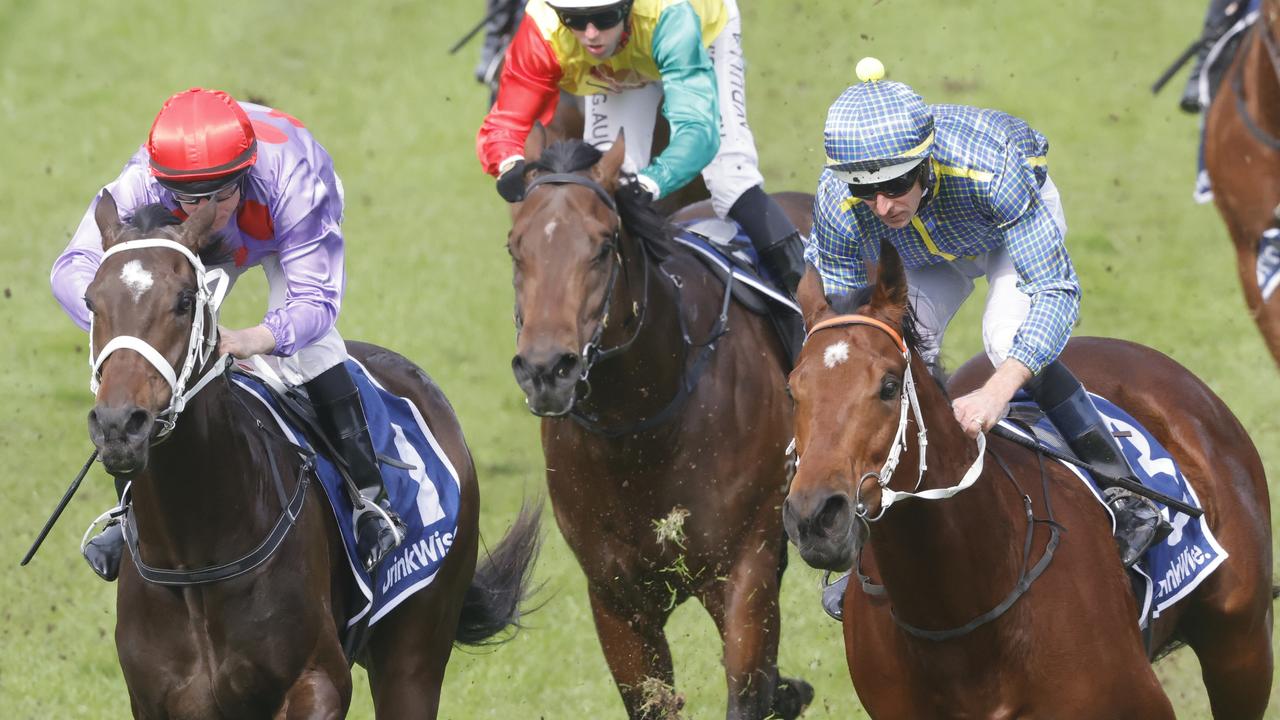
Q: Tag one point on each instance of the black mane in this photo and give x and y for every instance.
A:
(155, 216)
(635, 208)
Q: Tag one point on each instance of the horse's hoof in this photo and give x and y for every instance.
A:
(791, 698)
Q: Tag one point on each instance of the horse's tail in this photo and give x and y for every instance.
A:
(502, 582)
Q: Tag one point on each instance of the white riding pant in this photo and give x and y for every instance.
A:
(735, 168)
(308, 362)
(937, 291)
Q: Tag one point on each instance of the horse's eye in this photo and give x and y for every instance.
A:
(889, 387)
(604, 252)
(88, 303)
(186, 300)
(787, 389)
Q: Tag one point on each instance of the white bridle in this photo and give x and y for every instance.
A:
(888, 496)
(200, 345)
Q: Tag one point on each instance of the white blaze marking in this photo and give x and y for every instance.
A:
(137, 279)
(550, 228)
(835, 354)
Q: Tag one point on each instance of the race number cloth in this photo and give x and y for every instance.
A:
(426, 497)
(723, 243)
(1174, 567)
(1269, 263)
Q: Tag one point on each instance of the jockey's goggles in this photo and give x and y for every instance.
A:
(891, 188)
(603, 19)
(216, 195)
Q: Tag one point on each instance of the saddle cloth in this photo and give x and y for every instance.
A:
(1217, 62)
(724, 248)
(1172, 568)
(426, 495)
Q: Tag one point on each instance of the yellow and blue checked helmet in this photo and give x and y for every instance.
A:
(877, 129)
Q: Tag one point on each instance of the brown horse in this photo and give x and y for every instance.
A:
(264, 642)
(1242, 155)
(951, 633)
(664, 435)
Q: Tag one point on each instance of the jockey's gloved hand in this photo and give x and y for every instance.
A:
(511, 182)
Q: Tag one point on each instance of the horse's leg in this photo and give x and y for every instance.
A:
(745, 610)
(315, 696)
(1265, 314)
(635, 647)
(1229, 628)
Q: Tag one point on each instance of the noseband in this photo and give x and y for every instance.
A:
(200, 344)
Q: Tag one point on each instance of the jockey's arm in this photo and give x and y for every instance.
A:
(690, 100)
(1045, 273)
(834, 248)
(528, 90)
(76, 267)
(307, 218)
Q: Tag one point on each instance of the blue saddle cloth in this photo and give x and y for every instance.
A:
(1175, 567)
(722, 244)
(426, 496)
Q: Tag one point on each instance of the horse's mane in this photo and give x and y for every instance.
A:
(635, 207)
(156, 216)
(912, 335)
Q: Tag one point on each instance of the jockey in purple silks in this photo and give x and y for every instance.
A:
(279, 205)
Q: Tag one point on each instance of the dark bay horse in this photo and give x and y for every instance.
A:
(664, 437)
(1070, 646)
(1242, 155)
(264, 643)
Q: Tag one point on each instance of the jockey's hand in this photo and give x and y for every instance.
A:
(245, 343)
(511, 182)
(981, 409)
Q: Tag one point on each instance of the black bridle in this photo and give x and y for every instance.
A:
(593, 353)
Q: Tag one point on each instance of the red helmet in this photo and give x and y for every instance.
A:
(201, 135)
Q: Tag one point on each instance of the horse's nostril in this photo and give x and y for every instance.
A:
(566, 366)
(834, 512)
(139, 422)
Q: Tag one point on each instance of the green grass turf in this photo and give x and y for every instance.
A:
(428, 275)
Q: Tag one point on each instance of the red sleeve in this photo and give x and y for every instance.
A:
(528, 90)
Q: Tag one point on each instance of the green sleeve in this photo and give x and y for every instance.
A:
(690, 99)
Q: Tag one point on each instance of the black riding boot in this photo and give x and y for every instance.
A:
(1064, 400)
(1222, 14)
(781, 251)
(378, 529)
(104, 549)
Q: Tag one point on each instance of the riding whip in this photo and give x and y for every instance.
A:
(57, 512)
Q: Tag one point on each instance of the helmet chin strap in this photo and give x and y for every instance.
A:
(211, 288)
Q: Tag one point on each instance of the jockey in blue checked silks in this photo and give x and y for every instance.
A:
(963, 192)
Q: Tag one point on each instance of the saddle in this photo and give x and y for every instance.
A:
(722, 247)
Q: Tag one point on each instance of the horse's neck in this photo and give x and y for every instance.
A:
(640, 381)
(965, 549)
(206, 492)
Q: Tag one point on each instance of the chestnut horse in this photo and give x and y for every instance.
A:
(263, 642)
(952, 633)
(665, 426)
(1242, 156)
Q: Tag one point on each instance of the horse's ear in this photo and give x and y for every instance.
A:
(890, 296)
(812, 298)
(107, 215)
(198, 227)
(606, 170)
(535, 143)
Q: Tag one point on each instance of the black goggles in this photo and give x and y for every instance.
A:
(602, 19)
(891, 188)
(216, 195)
